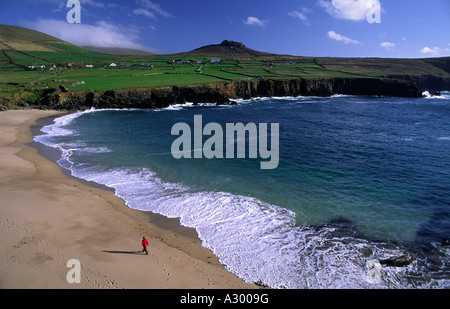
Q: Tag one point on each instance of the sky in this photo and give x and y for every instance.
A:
(318, 28)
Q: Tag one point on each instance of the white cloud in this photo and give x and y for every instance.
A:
(302, 15)
(154, 8)
(340, 38)
(434, 51)
(62, 5)
(102, 34)
(144, 12)
(387, 45)
(93, 3)
(349, 9)
(254, 21)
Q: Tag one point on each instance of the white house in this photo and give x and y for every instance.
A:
(33, 67)
(216, 60)
(112, 65)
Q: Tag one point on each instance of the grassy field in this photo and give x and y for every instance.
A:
(154, 71)
(22, 70)
(150, 71)
(130, 72)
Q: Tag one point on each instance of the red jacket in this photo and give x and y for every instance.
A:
(145, 243)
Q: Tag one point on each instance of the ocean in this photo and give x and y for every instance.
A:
(360, 180)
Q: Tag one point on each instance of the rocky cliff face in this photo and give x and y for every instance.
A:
(221, 93)
(319, 87)
(425, 82)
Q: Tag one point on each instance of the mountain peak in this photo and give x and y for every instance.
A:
(234, 44)
(229, 48)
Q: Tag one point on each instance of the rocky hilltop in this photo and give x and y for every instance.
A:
(231, 49)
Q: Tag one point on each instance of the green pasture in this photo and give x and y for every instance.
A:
(140, 71)
(117, 81)
(171, 70)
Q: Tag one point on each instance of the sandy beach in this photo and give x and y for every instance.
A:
(48, 218)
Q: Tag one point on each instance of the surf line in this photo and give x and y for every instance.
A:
(235, 134)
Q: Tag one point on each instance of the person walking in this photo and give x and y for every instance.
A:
(144, 245)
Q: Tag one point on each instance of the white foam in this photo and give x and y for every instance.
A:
(175, 107)
(95, 149)
(444, 95)
(57, 128)
(178, 107)
(256, 241)
(342, 96)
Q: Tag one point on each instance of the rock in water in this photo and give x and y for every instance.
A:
(400, 261)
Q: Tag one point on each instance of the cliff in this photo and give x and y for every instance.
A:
(221, 93)
(425, 82)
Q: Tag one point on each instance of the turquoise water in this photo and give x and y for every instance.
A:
(359, 178)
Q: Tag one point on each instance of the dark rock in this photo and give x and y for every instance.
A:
(400, 261)
(221, 93)
(48, 91)
(233, 44)
(423, 83)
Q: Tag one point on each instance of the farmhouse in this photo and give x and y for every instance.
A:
(216, 60)
(142, 64)
(35, 67)
(176, 61)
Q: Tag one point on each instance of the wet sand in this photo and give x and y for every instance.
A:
(48, 218)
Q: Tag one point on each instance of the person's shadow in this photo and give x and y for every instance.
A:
(124, 252)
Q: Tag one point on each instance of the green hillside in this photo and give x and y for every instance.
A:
(31, 63)
(21, 47)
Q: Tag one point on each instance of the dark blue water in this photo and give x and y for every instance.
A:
(359, 178)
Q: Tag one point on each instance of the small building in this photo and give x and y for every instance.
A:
(37, 67)
(142, 64)
(216, 60)
(89, 65)
(113, 65)
(176, 61)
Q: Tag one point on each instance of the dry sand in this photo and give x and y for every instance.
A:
(48, 218)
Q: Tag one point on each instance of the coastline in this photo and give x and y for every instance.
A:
(220, 93)
(48, 217)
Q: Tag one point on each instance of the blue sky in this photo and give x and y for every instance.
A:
(335, 28)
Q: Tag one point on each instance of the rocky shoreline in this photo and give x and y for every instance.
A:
(220, 93)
